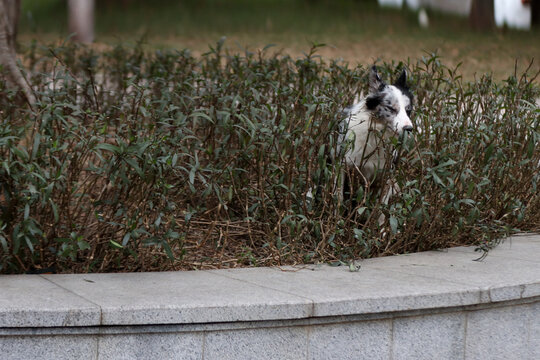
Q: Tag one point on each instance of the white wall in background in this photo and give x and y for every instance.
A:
(391, 3)
(513, 13)
(461, 7)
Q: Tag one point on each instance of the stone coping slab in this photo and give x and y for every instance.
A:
(403, 283)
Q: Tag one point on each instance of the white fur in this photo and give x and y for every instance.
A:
(367, 152)
(368, 130)
(402, 120)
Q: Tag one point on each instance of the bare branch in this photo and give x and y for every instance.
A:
(9, 16)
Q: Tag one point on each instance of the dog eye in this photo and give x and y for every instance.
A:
(408, 109)
(391, 109)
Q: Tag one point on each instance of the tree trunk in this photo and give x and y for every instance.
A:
(482, 16)
(9, 18)
(535, 12)
(81, 20)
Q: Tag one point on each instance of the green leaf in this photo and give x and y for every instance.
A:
(125, 239)
(109, 147)
(530, 149)
(4, 243)
(469, 202)
(29, 243)
(35, 146)
(21, 153)
(361, 210)
(437, 179)
(353, 267)
(135, 166)
(5, 165)
(115, 244)
(26, 211)
(83, 245)
(268, 46)
(168, 250)
(488, 152)
(418, 215)
(393, 224)
(192, 175)
(202, 115)
(16, 239)
(55, 210)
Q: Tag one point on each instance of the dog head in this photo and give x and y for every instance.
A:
(390, 104)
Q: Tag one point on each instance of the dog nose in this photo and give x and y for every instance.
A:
(408, 128)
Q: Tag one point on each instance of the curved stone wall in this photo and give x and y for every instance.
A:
(431, 305)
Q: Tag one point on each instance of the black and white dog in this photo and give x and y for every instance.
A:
(370, 123)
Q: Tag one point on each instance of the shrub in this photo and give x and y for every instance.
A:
(137, 161)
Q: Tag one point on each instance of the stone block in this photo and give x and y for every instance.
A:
(181, 297)
(338, 291)
(29, 300)
(440, 336)
(521, 247)
(364, 340)
(499, 333)
(500, 278)
(287, 343)
(534, 338)
(185, 346)
(62, 347)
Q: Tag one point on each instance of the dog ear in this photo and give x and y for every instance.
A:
(402, 80)
(373, 101)
(375, 82)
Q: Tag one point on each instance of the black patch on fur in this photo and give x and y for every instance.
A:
(376, 84)
(401, 84)
(373, 101)
(402, 80)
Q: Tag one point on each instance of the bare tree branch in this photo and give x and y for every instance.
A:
(9, 17)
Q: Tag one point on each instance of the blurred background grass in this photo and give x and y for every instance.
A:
(357, 31)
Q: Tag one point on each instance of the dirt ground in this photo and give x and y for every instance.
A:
(498, 54)
(499, 57)
(356, 31)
